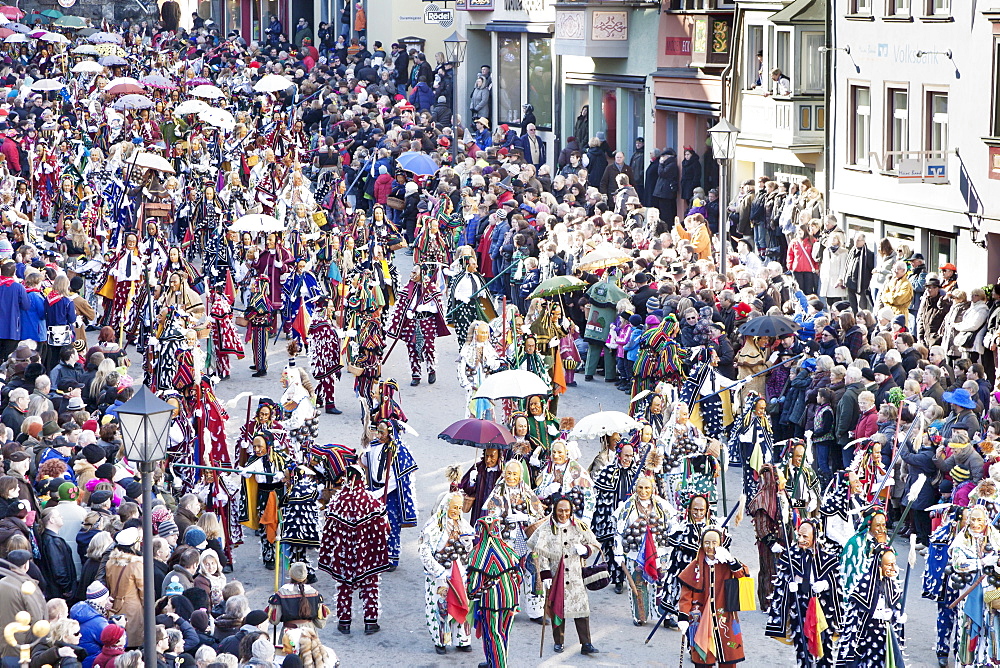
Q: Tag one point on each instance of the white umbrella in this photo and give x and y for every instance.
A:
(207, 90)
(257, 222)
(87, 66)
(512, 384)
(603, 423)
(220, 118)
(86, 50)
(54, 37)
(146, 160)
(272, 83)
(47, 84)
(190, 107)
(16, 38)
(121, 80)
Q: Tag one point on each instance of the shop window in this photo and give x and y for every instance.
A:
(508, 86)
(937, 121)
(860, 125)
(539, 77)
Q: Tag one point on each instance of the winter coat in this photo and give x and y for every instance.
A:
(92, 623)
(649, 183)
(973, 321)
(124, 580)
(441, 113)
(860, 264)
(383, 188)
(848, 413)
(598, 162)
(867, 424)
(552, 543)
(14, 600)
(921, 461)
(832, 271)
(44, 654)
(897, 293)
(13, 303)
(799, 256)
(883, 270)
(422, 97)
(57, 566)
(479, 102)
(690, 176)
(667, 179)
(608, 182)
(33, 318)
(931, 318)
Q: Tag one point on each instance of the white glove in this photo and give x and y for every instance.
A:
(990, 561)
(776, 548)
(883, 615)
(473, 475)
(683, 626)
(518, 517)
(723, 555)
(581, 549)
(553, 342)
(793, 587)
(820, 586)
(903, 618)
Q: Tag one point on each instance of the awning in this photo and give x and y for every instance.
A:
(688, 106)
(520, 26)
(801, 11)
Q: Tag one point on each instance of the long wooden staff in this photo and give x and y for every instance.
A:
(635, 592)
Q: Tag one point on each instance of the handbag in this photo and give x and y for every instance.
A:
(692, 486)
(241, 321)
(596, 576)
(965, 339)
(738, 594)
(395, 203)
(59, 335)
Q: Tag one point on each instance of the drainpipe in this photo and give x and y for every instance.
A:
(828, 134)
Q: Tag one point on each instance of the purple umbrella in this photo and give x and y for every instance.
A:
(157, 81)
(478, 434)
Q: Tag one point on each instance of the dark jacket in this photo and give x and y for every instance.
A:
(930, 318)
(13, 300)
(57, 566)
(608, 183)
(848, 412)
(690, 176)
(92, 623)
(860, 263)
(649, 183)
(921, 461)
(598, 162)
(441, 113)
(667, 179)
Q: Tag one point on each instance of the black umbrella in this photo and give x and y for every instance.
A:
(769, 325)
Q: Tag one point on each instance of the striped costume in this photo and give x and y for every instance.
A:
(400, 504)
(494, 585)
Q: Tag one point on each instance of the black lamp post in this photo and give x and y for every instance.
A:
(145, 421)
(723, 136)
(454, 51)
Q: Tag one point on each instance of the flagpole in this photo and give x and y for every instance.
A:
(545, 613)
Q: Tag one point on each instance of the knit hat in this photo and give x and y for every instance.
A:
(883, 369)
(68, 491)
(111, 634)
(831, 330)
(168, 528)
(99, 497)
(90, 425)
(197, 597)
(174, 587)
(199, 620)
(195, 536)
(868, 374)
(383, 170)
(635, 320)
(298, 572)
(133, 489)
(96, 590)
(105, 471)
(255, 618)
(19, 557)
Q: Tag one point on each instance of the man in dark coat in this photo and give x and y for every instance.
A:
(638, 165)
(608, 180)
(860, 263)
(933, 310)
(847, 414)
(667, 184)
(479, 481)
(401, 65)
(643, 291)
(652, 175)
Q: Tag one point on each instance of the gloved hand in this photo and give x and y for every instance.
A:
(581, 549)
(723, 555)
(683, 626)
(777, 548)
(883, 615)
(820, 586)
(990, 560)
(903, 618)
(793, 587)
(518, 517)
(553, 342)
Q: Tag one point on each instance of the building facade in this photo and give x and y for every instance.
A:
(903, 170)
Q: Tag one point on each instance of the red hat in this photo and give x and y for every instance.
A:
(254, 64)
(111, 634)
(502, 151)
(949, 265)
(90, 425)
(505, 127)
(398, 97)
(742, 308)
(444, 141)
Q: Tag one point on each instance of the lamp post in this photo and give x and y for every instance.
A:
(145, 421)
(454, 51)
(723, 136)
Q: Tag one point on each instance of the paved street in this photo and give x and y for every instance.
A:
(404, 639)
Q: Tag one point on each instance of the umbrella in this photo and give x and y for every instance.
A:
(512, 384)
(120, 80)
(605, 293)
(37, 34)
(190, 107)
(478, 434)
(55, 37)
(418, 163)
(220, 118)
(602, 257)
(87, 66)
(199, 81)
(110, 50)
(13, 13)
(47, 84)
(84, 50)
(72, 22)
(257, 222)
(112, 61)
(125, 89)
(207, 90)
(557, 285)
(6, 32)
(769, 325)
(133, 101)
(604, 423)
(146, 160)
(52, 13)
(157, 81)
(105, 38)
(37, 19)
(19, 27)
(14, 38)
(272, 83)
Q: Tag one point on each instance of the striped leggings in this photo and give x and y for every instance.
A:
(258, 341)
(495, 628)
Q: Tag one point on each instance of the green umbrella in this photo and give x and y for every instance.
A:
(606, 293)
(52, 13)
(557, 285)
(38, 18)
(70, 22)
(87, 32)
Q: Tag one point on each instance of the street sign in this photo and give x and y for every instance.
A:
(936, 171)
(434, 15)
(910, 170)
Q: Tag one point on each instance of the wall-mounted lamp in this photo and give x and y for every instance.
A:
(921, 54)
(845, 49)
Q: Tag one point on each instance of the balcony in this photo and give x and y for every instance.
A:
(795, 123)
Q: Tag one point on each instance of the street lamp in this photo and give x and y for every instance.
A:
(723, 136)
(145, 421)
(454, 52)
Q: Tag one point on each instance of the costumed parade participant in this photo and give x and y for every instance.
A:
(565, 477)
(477, 359)
(263, 493)
(874, 616)
(300, 517)
(752, 436)
(389, 465)
(466, 292)
(939, 583)
(480, 480)
(613, 486)
(324, 356)
(769, 512)
(418, 319)
(494, 584)
(261, 316)
(973, 556)
(684, 542)
(858, 551)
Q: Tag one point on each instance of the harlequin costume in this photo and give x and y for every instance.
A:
(768, 515)
(938, 586)
(493, 587)
(873, 619)
(324, 355)
(300, 522)
(636, 522)
(418, 319)
(262, 495)
(225, 339)
(612, 486)
(388, 467)
(260, 314)
(356, 549)
(370, 348)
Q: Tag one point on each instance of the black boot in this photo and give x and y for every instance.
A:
(432, 377)
(371, 628)
(589, 649)
(415, 381)
(345, 628)
(259, 374)
(333, 410)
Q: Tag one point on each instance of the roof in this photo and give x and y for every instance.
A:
(801, 11)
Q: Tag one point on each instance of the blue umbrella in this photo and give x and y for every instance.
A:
(418, 163)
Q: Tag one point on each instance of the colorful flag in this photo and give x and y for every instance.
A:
(646, 558)
(556, 598)
(704, 637)
(300, 325)
(458, 597)
(815, 626)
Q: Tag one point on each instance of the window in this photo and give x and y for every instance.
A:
(755, 74)
(861, 125)
(900, 8)
(939, 7)
(861, 6)
(937, 122)
(540, 79)
(942, 248)
(811, 79)
(782, 49)
(897, 124)
(509, 77)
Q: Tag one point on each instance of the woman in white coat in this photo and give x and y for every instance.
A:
(833, 269)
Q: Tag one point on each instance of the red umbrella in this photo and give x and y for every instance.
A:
(5, 32)
(13, 13)
(478, 434)
(126, 89)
